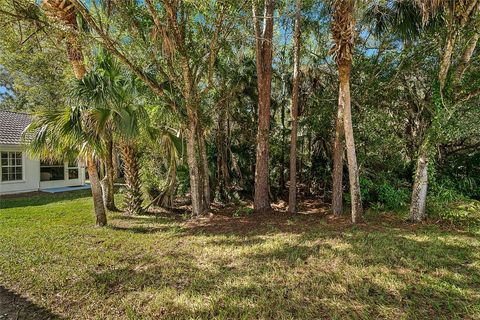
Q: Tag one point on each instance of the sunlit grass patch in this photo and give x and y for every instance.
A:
(280, 267)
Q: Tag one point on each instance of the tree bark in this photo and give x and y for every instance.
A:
(115, 164)
(133, 197)
(206, 194)
(107, 182)
(100, 215)
(337, 173)
(466, 56)
(264, 51)
(420, 186)
(193, 165)
(223, 176)
(344, 75)
(446, 60)
(292, 195)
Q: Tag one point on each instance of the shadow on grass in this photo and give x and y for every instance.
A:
(13, 306)
(319, 270)
(40, 198)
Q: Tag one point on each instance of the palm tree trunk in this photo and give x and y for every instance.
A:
(344, 75)
(107, 181)
(133, 197)
(337, 187)
(292, 195)
(75, 56)
(264, 51)
(100, 215)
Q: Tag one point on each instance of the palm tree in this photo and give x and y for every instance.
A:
(65, 13)
(111, 95)
(67, 134)
(343, 32)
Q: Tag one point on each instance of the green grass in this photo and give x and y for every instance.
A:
(242, 266)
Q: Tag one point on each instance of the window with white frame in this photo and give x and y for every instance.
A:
(72, 170)
(12, 166)
(51, 171)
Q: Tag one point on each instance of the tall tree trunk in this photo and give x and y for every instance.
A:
(107, 182)
(193, 147)
(222, 156)
(133, 197)
(282, 156)
(206, 194)
(337, 174)
(100, 215)
(193, 168)
(420, 186)
(292, 195)
(343, 32)
(344, 75)
(264, 51)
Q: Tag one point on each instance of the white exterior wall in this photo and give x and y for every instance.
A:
(31, 175)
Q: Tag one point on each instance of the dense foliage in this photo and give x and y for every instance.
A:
(192, 77)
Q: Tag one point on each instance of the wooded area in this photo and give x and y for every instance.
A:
(246, 159)
(372, 103)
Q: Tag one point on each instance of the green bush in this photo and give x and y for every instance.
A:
(383, 192)
(392, 197)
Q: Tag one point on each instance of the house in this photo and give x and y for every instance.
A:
(19, 172)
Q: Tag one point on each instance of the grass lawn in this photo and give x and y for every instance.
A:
(233, 265)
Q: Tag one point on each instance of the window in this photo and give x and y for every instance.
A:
(12, 166)
(72, 170)
(52, 171)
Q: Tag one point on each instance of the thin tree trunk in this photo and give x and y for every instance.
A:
(100, 215)
(337, 187)
(222, 156)
(292, 195)
(264, 51)
(115, 164)
(282, 159)
(206, 194)
(344, 75)
(133, 196)
(107, 181)
(420, 186)
(446, 60)
(466, 56)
